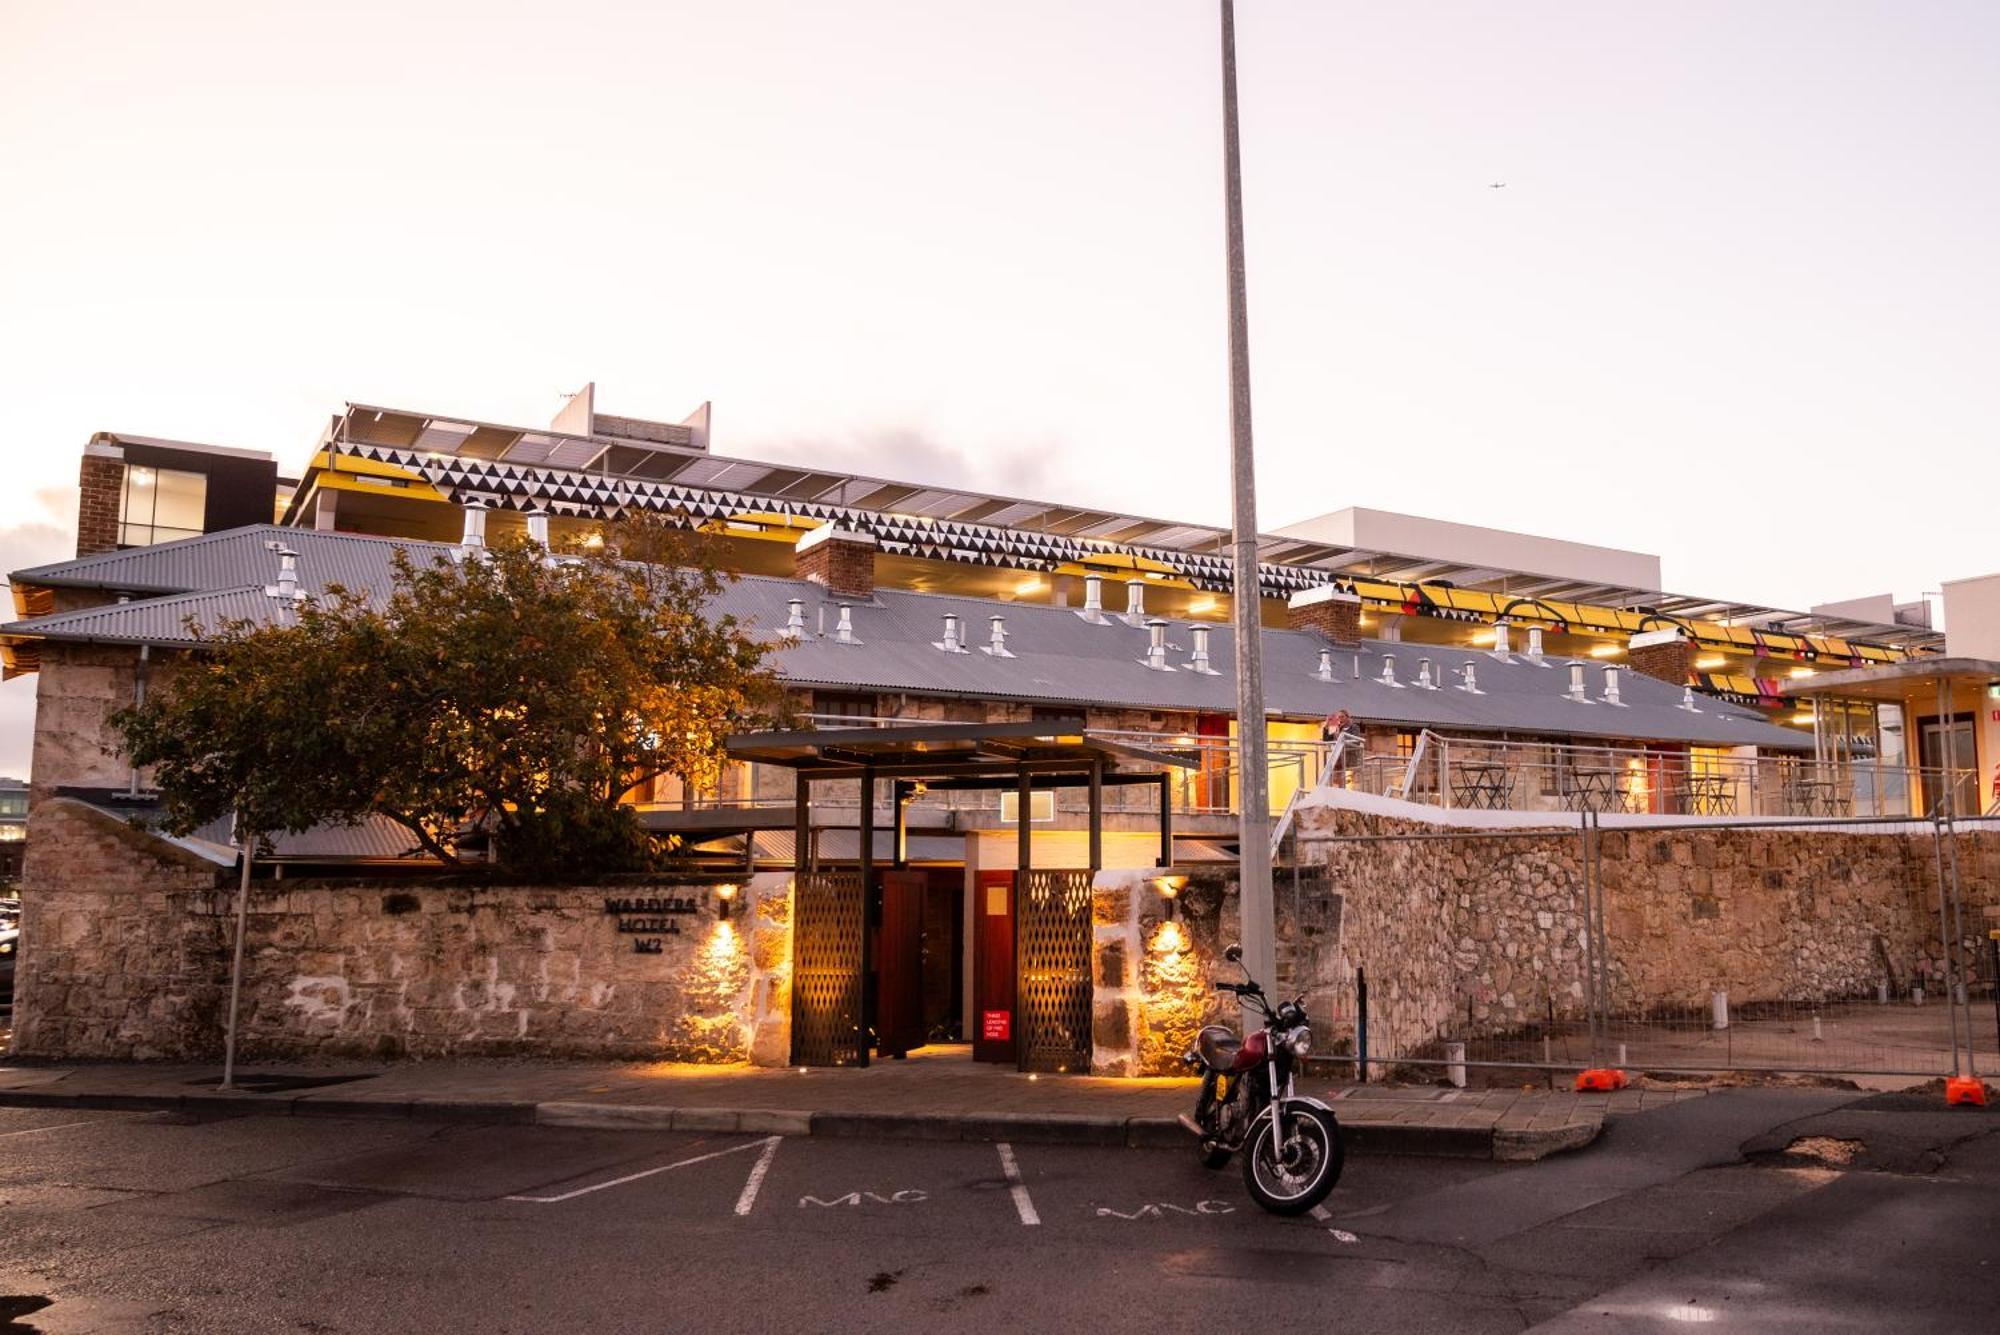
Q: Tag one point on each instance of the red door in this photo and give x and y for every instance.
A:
(899, 962)
(993, 968)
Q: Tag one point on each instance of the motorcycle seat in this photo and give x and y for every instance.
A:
(1218, 1047)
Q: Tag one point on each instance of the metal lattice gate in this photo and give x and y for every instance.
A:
(827, 933)
(1053, 931)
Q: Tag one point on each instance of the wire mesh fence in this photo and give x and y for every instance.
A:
(1848, 947)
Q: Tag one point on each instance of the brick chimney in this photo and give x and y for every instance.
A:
(1328, 610)
(839, 560)
(1666, 654)
(101, 484)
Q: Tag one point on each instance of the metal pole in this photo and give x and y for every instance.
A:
(1254, 817)
(249, 842)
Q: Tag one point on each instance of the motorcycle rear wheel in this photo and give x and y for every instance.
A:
(1290, 1173)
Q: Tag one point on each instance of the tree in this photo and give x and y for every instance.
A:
(511, 697)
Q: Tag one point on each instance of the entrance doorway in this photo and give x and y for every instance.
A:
(918, 955)
(1950, 761)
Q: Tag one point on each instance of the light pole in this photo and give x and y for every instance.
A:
(1253, 773)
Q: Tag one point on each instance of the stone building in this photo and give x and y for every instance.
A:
(1421, 682)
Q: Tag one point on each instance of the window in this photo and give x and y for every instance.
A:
(160, 505)
(831, 708)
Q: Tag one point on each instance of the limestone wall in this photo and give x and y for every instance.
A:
(1484, 932)
(125, 953)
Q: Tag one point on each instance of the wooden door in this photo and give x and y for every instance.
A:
(899, 964)
(993, 968)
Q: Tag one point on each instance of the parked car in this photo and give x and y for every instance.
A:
(10, 946)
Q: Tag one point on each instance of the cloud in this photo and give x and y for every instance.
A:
(909, 454)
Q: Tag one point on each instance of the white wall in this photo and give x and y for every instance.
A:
(1972, 617)
(1470, 544)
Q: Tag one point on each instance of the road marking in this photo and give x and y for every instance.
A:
(1016, 1187)
(756, 1178)
(908, 1196)
(1450, 1095)
(634, 1177)
(64, 1126)
(1159, 1211)
(1320, 1213)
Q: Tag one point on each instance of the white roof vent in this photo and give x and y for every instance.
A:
(474, 534)
(1611, 686)
(1389, 671)
(1425, 682)
(538, 528)
(795, 618)
(287, 587)
(998, 644)
(1469, 680)
(1135, 602)
(1535, 643)
(1687, 700)
(1093, 599)
(1198, 657)
(1503, 640)
(1156, 645)
(1577, 690)
(953, 642)
(1325, 672)
(843, 630)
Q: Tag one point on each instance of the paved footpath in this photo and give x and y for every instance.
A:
(925, 1097)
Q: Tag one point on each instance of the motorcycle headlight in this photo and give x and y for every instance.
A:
(1300, 1041)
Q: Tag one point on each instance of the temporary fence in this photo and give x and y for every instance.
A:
(1849, 947)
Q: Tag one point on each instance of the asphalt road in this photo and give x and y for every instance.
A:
(165, 1222)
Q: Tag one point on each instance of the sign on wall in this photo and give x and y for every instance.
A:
(650, 919)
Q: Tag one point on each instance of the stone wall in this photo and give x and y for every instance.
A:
(126, 940)
(77, 689)
(1484, 933)
(122, 945)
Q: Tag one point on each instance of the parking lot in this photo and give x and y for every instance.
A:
(153, 1221)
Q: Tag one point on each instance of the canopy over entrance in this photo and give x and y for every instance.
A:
(845, 1002)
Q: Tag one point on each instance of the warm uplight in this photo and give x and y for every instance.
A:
(1170, 939)
(724, 902)
(1606, 650)
(1803, 716)
(1486, 638)
(1802, 672)
(1710, 663)
(1201, 606)
(1029, 586)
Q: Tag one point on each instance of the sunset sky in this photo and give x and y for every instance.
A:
(1735, 304)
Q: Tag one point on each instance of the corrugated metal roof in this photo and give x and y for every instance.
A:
(1055, 655)
(230, 559)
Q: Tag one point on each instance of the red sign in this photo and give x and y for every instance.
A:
(996, 1026)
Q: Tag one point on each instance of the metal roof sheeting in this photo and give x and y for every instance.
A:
(1054, 655)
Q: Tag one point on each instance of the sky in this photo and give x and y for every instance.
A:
(1734, 304)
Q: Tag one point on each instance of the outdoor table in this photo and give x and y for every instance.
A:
(1710, 794)
(1482, 784)
(1594, 790)
(1813, 797)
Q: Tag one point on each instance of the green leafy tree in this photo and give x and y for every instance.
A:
(510, 698)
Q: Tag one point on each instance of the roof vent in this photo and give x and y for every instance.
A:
(1156, 644)
(475, 527)
(1469, 680)
(1577, 690)
(1093, 598)
(287, 586)
(998, 646)
(1198, 656)
(1325, 672)
(1687, 700)
(1389, 671)
(1535, 643)
(1611, 686)
(1503, 639)
(843, 631)
(952, 643)
(795, 619)
(1425, 682)
(538, 528)
(1135, 601)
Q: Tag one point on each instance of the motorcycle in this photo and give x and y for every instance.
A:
(1290, 1143)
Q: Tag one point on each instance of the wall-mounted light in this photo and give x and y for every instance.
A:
(725, 900)
(1170, 888)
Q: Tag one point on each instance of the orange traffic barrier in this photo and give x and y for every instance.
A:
(1600, 1080)
(1964, 1089)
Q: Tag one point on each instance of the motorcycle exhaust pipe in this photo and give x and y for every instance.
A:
(1191, 1126)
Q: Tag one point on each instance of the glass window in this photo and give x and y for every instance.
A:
(160, 505)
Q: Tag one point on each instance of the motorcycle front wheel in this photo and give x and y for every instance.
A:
(1291, 1169)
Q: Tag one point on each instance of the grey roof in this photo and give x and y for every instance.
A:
(229, 559)
(1057, 656)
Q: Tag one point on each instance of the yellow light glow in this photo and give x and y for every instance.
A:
(1169, 886)
(1803, 716)
(1710, 663)
(1803, 672)
(1170, 939)
(725, 892)
(1030, 585)
(1606, 650)
(1202, 606)
(1486, 638)
(594, 541)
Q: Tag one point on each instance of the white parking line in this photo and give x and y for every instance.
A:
(1016, 1187)
(1321, 1213)
(756, 1178)
(64, 1126)
(634, 1177)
